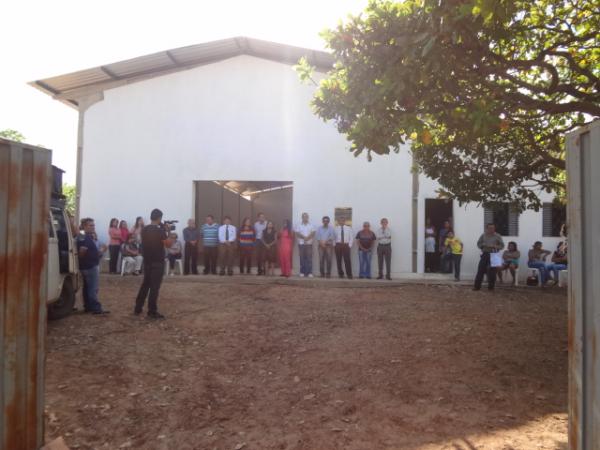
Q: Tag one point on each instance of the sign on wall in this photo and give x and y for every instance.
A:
(346, 213)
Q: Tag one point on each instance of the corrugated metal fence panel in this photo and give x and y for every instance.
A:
(24, 202)
(583, 165)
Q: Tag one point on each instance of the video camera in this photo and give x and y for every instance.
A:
(170, 224)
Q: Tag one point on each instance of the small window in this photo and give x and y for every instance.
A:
(505, 217)
(554, 217)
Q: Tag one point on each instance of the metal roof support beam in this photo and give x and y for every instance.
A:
(172, 58)
(109, 72)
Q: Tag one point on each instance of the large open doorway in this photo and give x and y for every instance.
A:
(437, 211)
(240, 199)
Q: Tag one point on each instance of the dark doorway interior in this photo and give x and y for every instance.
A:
(438, 211)
(240, 199)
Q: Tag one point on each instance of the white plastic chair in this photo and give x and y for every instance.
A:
(506, 275)
(563, 274)
(178, 263)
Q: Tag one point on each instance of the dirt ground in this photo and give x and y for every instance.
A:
(315, 366)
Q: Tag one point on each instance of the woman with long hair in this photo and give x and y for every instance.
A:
(286, 244)
(137, 230)
(114, 244)
(246, 239)
(269, 240)
(510, 262)
(124, 229)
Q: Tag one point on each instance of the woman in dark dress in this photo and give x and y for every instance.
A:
(270, 242)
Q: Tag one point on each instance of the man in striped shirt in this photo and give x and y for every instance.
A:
(210, 241)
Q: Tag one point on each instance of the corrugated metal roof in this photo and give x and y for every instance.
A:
(70, 87)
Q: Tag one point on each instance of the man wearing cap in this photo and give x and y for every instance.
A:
(153, 250)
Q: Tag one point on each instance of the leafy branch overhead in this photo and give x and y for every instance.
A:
(483, 89)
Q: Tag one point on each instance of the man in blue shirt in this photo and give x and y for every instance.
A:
(89, 258)
(326, 240)
(210, 242)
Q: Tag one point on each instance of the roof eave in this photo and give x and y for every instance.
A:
(97, 79)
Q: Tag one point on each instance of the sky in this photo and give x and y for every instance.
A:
(39, 39)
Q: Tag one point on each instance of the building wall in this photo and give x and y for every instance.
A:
(246, 118)
(469, 224)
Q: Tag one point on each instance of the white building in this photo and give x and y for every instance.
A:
(157, 130)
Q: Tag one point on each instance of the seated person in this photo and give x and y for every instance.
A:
(131, 256)
(559, 260)
(174, 252)
(537, 260)
(510, 259)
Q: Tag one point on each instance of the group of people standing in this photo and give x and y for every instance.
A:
(150, 245)
(125, 243)
(443, 250)
(268, 246)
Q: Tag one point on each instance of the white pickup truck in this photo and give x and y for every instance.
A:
(63, 267)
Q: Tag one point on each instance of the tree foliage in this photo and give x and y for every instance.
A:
(483, 89)
(13, 135)
(70, 192)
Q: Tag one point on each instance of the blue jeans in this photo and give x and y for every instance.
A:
(364, 259)
(90, 290)
(542, 267)
(555, 267)
(306, 251)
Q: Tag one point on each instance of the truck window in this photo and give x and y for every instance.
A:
(62, 233)
(50, 227)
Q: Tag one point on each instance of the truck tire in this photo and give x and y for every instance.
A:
(65, 303)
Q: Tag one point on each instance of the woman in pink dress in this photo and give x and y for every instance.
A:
(124, 229)
(286, 244)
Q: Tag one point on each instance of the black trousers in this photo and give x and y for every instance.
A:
(260, 256)
(210, 260)
(113, 251)
(342, 251)
(485, 268)
(430, 261)
(153, 276)
(384, 253)
(245, 258)
(190, 261)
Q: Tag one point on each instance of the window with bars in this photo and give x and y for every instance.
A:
(505, 217)
(554, 215)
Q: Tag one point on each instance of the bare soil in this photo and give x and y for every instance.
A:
(315, 366)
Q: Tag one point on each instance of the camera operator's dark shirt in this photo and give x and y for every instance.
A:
(153, 248)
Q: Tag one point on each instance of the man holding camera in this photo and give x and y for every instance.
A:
(154, 239)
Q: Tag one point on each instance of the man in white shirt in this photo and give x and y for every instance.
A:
(259, 227)
(344, 236)
(305, 232)
(227, 237)
(384, 249)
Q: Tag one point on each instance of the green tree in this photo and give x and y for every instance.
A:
(483, 89)
(13, 135)
(70, 192)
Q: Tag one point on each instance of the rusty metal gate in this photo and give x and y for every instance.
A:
(583, 169)
(24, 205)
